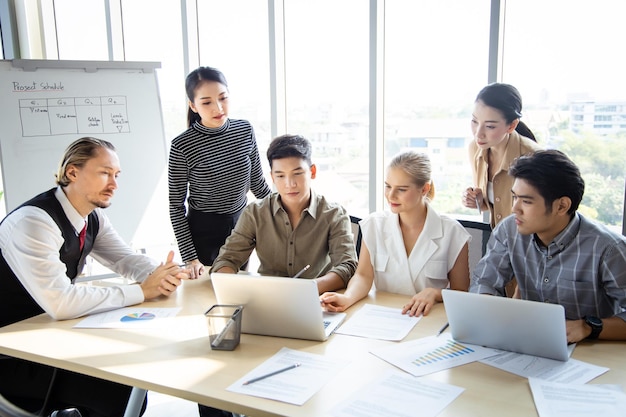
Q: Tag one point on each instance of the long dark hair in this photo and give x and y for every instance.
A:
(506, 99)
(194, 79)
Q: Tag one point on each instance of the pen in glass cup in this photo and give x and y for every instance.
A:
(301, 271)
(220, 337)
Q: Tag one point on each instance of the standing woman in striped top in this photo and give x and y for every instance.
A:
(212, 165)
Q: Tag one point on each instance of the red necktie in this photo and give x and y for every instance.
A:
(81, 236)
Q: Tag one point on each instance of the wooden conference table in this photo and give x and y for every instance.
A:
(178, 360)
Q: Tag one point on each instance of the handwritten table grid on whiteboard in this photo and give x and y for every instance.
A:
(68, 115)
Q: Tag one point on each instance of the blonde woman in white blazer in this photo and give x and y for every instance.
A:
(409, 249)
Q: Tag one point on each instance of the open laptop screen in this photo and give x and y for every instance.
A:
(277, 306)
(521, 326)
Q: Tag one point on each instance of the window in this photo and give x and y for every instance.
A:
(435, 61)
(233, 37)
(164, 30)
(436, 56)
(564, 77)
(80, 30)
(326, 65)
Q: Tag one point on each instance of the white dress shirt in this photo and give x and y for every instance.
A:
(430, 260)
(30, 241)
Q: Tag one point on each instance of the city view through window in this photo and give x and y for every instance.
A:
(436, 53)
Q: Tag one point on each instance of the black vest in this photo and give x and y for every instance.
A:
(15, 302)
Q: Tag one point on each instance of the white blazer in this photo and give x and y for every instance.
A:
(428, 264)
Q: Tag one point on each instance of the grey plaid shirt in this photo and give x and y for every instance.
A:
(583, 268)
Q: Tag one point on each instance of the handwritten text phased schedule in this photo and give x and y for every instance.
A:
(69, 115)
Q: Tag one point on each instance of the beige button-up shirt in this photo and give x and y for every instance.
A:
(323, 239)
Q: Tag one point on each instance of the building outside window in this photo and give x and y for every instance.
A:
(436, 56)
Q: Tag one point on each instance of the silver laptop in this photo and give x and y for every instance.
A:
(277, 306)
(521, 326)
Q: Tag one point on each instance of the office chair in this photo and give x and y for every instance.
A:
(9, 410)
(480, 233)
(356, 232)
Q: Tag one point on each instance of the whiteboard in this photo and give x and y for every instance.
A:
(46, 105)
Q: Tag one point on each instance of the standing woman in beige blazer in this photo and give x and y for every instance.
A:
(499, 138)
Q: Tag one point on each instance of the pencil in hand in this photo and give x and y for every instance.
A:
(477, 201)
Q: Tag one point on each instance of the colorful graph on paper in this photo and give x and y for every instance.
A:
(137, 317)
(451, 350)
(129, 318)
(431, 354)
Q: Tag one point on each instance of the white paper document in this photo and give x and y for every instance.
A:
(398, 395)
(295, 385)
(554, 399)
(573, 371)
(128, 318)
(377, 322)
(431, 354)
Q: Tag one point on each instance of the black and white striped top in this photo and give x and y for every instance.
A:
(219, 165)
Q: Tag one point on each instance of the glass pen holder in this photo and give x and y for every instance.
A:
(224, 323)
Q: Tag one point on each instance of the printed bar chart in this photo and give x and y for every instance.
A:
(431, 354)
(451, 350)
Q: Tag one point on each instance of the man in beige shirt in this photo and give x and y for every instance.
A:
(294, 227)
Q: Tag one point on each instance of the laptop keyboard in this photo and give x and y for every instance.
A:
(326, 323)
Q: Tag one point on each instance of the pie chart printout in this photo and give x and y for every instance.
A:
(137, 317)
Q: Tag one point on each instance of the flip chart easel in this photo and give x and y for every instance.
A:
(46, 105)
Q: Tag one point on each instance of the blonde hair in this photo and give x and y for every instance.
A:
(77, 154)
(417, 166)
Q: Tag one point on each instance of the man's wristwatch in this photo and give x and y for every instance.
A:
(595, 324)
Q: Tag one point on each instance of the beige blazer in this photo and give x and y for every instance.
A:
(517, 146)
